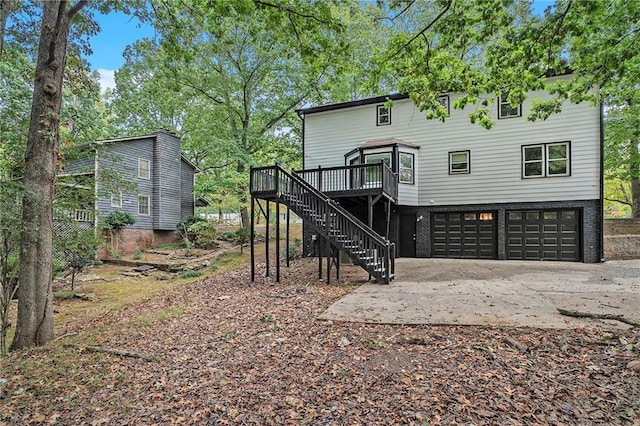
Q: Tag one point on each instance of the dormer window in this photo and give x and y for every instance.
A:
(383, 115)
(505, 110)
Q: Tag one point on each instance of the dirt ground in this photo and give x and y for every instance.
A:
(224, 350)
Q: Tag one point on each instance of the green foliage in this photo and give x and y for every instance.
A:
(137, 254)
(10, 225)
(183, 228)
(486, 47)
(228, 76)
(204, 233)
(622, 159)
(114, 222)
(117, 220)
(79, 250)
(189, 273)
(64, 295)
(295, 248)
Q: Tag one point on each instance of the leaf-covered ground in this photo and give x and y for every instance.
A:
(234, 352)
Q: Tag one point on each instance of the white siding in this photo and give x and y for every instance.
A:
(496, 170)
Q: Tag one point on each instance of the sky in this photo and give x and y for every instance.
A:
(118, 31)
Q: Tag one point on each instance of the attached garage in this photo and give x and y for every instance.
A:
(464, 235)
(549, 234)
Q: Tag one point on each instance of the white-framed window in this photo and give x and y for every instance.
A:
(116, 199)
(546, 160)
(383, 115)
(459, 162)
(373, 177)
(144, 168)
(405, 167)
(505, 110)
(144, 205)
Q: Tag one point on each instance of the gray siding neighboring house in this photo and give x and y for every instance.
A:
(162, 175)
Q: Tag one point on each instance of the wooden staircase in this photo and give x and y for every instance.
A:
(362, 244)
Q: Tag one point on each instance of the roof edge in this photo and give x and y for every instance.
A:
(350, 104)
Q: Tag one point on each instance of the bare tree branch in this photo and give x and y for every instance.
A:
(290, 10)
(615, 200)
(76, 8)
(386, 18)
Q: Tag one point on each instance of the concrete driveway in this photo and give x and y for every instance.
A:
(500, 293)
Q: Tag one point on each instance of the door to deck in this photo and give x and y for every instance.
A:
(407, 240)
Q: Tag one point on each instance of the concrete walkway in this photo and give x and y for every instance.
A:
(500, 293)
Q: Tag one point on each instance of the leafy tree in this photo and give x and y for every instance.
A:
(114, 223)
(79, 250)
(622, 159)
(249, 65)
(9, 244)
(35, 310)
(489, 47)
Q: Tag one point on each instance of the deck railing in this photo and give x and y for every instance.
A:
(367, 248)
(353, 178)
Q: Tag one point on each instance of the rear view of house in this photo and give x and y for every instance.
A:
(522, 190)
(156, 184)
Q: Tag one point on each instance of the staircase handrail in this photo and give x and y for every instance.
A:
(388, 248)
(333, 204)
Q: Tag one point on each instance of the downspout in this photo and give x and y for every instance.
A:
(602, 259)
(95, 192)
(95, 197)
(301, 117)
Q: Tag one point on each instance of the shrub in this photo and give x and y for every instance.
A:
(184, 225)
(189, 273)
(117, 220)
(204, 234)
(114, 222)
(242, 236)
(80, 252)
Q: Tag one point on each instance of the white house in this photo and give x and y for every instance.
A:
(522, 190)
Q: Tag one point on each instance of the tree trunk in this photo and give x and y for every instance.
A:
(35, 297)
(6, 6)
(635, 198)
(242, 197)
(634, 172)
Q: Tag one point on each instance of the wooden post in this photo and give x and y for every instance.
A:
(266, 240)
(287, 238)
(319, 243)
(388, 217)
(329, 257)
(252, 237)
(277, 239)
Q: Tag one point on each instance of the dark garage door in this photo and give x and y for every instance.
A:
(464, 235)
(543, 234)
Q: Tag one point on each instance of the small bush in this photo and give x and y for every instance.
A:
(205, 234)
(189, 273)
(63, 295)
(137, 254)
(184, 225)
(117, 220)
